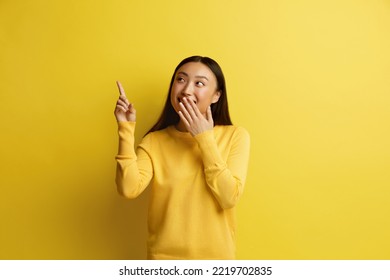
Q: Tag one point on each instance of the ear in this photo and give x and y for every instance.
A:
(216, 96)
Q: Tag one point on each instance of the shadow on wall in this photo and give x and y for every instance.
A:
(103, 225)
(97, 222)
(128, 227)
(114, 231)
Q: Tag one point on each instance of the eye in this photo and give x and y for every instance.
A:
(180, 79)
(200, 84)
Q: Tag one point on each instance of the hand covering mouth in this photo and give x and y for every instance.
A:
(180, 100)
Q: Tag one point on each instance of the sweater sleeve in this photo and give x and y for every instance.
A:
(225, 179)
(134, 170)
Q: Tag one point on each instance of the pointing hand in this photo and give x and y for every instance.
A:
(124, 110)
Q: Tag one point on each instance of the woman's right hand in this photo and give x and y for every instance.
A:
(124, 110)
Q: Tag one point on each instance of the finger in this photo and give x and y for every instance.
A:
(123, 103)
(189, 106)
(121, 90)
(194, 108)
(185, 121)
(124, 99)
(131, 108)
(186, 114)
(121, 108)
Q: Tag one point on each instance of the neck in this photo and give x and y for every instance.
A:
(181, 126)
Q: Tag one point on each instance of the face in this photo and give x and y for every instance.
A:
(195, 81)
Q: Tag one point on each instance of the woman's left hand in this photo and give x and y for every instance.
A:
(193, 119)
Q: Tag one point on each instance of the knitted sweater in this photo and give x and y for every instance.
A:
(195, 181)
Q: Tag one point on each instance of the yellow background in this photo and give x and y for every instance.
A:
(308, 79)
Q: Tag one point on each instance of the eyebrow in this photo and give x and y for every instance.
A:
(199, 76)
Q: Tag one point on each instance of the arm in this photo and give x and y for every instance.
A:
(225, 179)
(134, 171)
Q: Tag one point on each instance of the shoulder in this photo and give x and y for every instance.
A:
(231, 135)
(159, 136)
(231, 130)
(157, 133)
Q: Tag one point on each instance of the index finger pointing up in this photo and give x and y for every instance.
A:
(121, 90)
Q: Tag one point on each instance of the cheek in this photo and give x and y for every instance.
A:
(173, 99)
(203, 101)
(175, 90)
(204, 97)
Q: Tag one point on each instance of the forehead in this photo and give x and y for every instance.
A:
(194, 69)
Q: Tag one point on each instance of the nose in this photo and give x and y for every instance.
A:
(187, 90)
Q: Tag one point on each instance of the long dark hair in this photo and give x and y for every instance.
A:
(219, 110)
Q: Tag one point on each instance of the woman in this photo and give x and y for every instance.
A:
(194, 160)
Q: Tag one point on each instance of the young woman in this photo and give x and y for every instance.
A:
(194, 160)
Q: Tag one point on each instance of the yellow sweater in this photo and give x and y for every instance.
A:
(195, 181)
